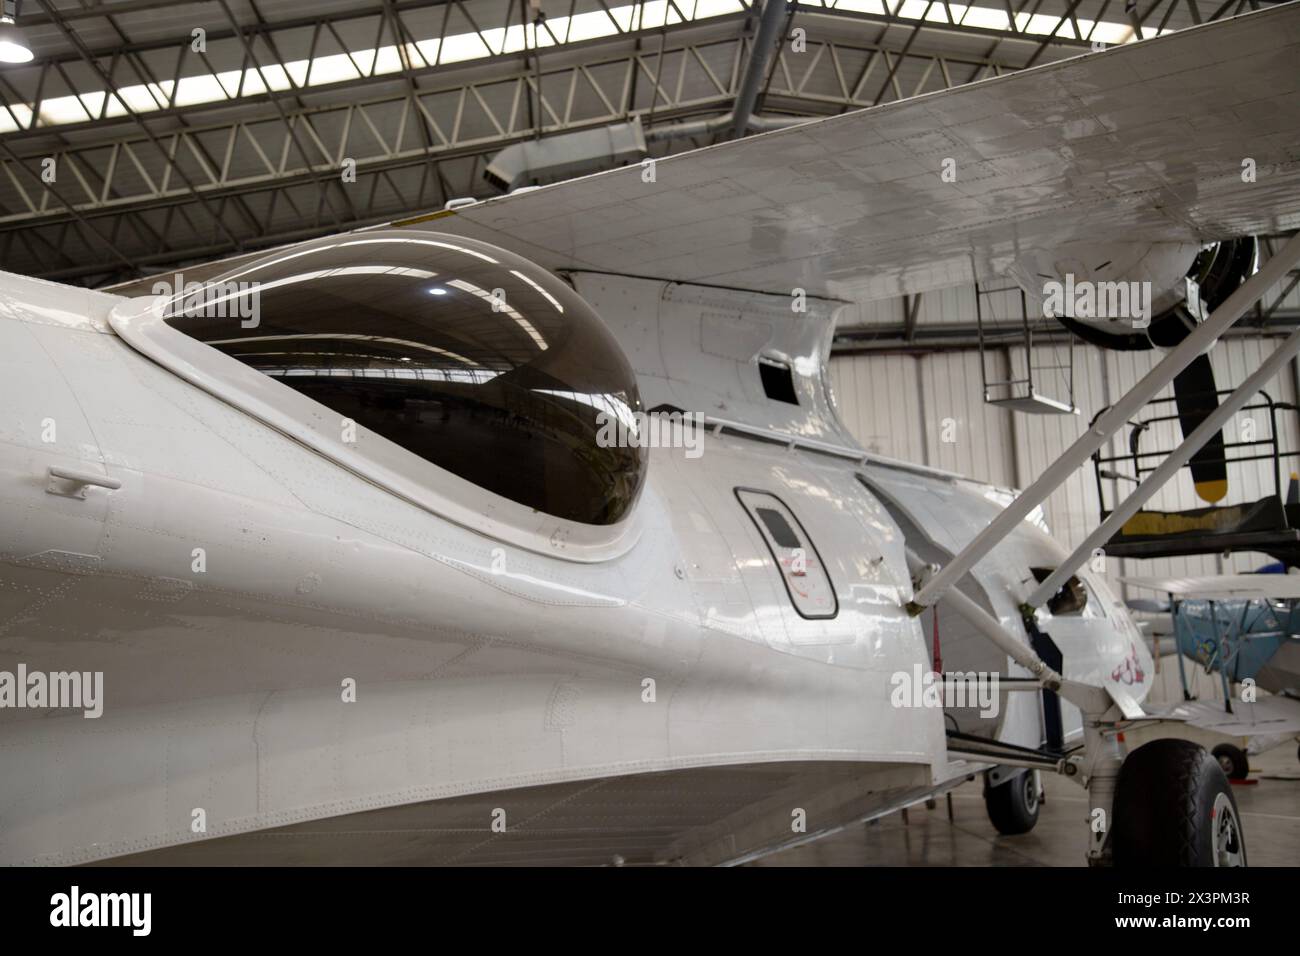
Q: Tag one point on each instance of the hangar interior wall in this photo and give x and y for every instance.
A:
(905, 406)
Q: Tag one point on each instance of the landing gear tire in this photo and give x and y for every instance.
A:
(1174, 807)
(1232, 760)
(1013, 806)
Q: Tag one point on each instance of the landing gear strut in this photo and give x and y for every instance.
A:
(1167, 803)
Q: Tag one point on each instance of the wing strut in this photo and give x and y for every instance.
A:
(1201, 338)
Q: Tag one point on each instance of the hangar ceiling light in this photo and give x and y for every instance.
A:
(13, 46)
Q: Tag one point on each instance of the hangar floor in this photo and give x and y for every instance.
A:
(1270, 806)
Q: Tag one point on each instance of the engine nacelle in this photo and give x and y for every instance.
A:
(1133, 295)
(1115, 288)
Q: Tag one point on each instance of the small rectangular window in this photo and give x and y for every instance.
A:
(778, 382)
(780, 529)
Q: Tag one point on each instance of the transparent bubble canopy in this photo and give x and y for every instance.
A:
(466, 355)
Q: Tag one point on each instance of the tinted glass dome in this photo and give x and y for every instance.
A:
(473, 358)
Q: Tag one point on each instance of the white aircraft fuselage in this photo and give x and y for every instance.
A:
(302, 665)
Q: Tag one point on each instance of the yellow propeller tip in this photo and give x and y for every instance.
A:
(1211, 491)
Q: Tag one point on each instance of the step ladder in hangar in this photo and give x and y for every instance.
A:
(1106, 711)
(1033, 384)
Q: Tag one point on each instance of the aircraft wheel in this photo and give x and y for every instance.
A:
(1232, 760)
(1175, 807)
(1013, 806)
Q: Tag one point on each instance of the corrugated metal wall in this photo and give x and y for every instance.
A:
(930, 409)
(945, 305)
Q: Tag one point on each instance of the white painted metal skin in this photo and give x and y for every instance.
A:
(525, 686)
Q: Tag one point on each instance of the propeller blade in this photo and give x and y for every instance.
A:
(1196, 397)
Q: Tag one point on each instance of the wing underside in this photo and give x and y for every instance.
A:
(1224, 587)
(1185, 137)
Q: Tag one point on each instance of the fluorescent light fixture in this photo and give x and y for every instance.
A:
(13, 45)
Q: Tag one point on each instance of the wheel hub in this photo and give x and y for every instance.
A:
(1031, 790)
(1229, 850)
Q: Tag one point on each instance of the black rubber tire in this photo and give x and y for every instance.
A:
(1013, 806)
(1232, 760)
(1172, 804)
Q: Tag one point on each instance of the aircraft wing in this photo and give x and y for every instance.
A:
(1224, 587)
(1144, 141)
(1267, 721)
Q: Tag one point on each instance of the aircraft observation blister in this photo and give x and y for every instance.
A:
(471, 358)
